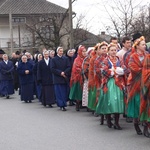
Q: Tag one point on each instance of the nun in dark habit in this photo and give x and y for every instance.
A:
(6, 77)
(25, 71)
(60, 67)
(44, 77)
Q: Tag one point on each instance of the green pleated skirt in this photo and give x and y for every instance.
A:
(144, 117)
(133, 107)
(92, 99)
(76, 92)
(112, 101)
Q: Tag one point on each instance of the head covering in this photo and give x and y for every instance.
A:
(136, 36)
(58, 49)
(136, 42)
(1, 51)
(80, 49)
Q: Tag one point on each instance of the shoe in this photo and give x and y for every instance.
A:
(77, 107)
(137, 128)
(50, 106)
(7, 96)
(117, 127)
(102, 120)
(63, 109)
(30, 101)
(129, 120)
(145, 131)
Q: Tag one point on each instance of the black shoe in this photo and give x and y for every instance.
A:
(117, 127)
(30, 101)
(7, 96)
(63, 109)
(50, 106)
(145, 131)
(102, 120)
(129, 120)
(77, 107)
(137, 128)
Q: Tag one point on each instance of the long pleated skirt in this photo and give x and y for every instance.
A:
(61, 93)
(76, 92)
(26, 92)
(112, 101)
(92, 99)
(6, 87)
(133, 108)
(48, 95)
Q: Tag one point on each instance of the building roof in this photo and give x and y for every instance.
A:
(29, 7)
(86, 38)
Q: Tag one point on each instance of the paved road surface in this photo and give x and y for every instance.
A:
(33, 127)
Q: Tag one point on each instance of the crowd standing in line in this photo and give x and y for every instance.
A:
(106, 79)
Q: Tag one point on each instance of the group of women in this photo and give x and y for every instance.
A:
(96, 78)
(110, 86)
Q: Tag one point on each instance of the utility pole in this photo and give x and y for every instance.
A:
(11, 32)
(71, 24)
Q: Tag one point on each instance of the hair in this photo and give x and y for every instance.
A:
(125, 39)
(113, 38)
(111, 45)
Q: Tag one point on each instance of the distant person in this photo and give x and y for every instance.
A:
(25, 71)
(6, 77)
(114, 40)
(44, 77)
(60, 68)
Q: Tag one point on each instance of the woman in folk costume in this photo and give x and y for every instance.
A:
(145, 96)
(134, 81)
(76, 81)
(102, 54)
(91, 80)
(6, 76)
(111, 100)
(85, 71)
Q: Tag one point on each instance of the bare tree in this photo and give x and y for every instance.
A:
(121, 14)
(48, 29)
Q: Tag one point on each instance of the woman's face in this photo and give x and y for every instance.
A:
(141, 46)
(102, 50)
(40, 57)
(24, 59)
(112, 51)
(60, 52)
(84, 52)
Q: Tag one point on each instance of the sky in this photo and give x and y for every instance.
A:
(94, 11)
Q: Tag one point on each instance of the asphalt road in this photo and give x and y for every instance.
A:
(33, 127)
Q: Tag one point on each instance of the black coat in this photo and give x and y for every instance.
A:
(25, 78)
(44, 74)
(6, 70)
(58, 65)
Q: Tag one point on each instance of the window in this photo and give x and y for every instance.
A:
(19, 20)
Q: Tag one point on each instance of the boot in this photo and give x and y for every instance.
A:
(137, 128)
(109, 123)
(77, 105)
(145, 130)
(102, 120)
(116, 125)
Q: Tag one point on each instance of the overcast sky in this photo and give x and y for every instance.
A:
(94, 11)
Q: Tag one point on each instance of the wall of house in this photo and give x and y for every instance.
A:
(25, 36)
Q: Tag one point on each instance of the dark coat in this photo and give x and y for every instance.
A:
(6, 70)
(58, 65)
(25, 78)
(44, 74)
